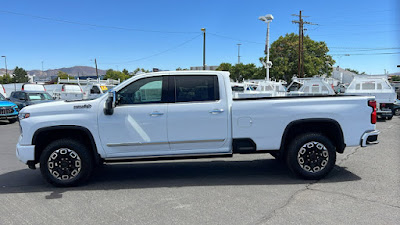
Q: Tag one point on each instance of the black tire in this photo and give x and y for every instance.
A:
(66, 163)
(389, 117)
(12, 120)
(317, 153)
(396, 112)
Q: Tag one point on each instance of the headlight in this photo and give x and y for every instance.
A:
(22, 116)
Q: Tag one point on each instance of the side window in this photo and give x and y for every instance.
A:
(147, 90)
(95, 90)
(196, 88)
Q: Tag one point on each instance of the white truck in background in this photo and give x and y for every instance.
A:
(377, 86)
(190, 114)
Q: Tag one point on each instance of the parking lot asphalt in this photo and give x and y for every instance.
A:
(363, 188)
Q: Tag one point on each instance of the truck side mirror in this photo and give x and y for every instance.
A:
(110, 103)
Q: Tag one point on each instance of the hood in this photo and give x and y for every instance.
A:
(41, 101)
(61, 107)
(6, 104)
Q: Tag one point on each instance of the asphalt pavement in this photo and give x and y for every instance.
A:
(364, 188)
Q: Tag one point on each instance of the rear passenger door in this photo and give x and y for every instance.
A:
(197, 119)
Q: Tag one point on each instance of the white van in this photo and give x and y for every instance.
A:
(92, 91)
(65, 91)
(33, 87)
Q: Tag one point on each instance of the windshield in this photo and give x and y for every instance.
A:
(38, 96)
(2, 98)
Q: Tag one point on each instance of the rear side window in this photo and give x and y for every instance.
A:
(196, 88)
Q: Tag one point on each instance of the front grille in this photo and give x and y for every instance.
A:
(6, 110)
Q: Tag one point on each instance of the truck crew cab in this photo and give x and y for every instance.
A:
(190, 114)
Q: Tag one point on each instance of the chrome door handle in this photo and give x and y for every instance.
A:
(156, 114)
(215, 111)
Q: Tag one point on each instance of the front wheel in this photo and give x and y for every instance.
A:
(311, 156)
(66, 162)
(397, 112)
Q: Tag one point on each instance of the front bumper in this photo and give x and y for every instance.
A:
(8, 117)
(25, 153)
(370, 138)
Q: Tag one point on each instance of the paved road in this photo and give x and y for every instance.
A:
(364, 188)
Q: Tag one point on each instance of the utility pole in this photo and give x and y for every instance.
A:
(97, 73)
(204, 48)
(300, 63)
(239, 52)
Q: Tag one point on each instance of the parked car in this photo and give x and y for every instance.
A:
(8, 110)
(396, 108)
(183, 114)
(25, 98)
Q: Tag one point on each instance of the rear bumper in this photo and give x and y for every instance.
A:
(370, 138)
(25, 153)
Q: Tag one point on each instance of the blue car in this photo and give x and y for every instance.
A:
(8, 110)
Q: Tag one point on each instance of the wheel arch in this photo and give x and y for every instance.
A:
(329, 127)
(44, 136)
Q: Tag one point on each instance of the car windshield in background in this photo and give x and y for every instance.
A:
(39, 96)
(2, 98)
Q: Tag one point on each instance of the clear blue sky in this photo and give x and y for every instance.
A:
(117, 33)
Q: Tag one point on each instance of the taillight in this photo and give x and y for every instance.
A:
(372, 103)
(44, 88)
(4, 90)
(383, 105)
(62, 89)
(22, 88)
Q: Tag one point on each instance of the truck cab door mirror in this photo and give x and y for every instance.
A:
(110, 103)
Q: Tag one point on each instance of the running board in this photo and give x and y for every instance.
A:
(167, 157)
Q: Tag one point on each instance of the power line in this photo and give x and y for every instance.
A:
(159, 53)
(96, 25)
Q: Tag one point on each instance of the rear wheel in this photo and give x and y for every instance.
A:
(66, 162)
(311, 156)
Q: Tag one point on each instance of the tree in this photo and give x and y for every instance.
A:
(284, 56)
(180, 69)
(141, 70)
(20, 75)
(114, 74)
(395, 78)
(242, 71)
(355, 71)
(125, 71)
(63, 75)
(6, 79)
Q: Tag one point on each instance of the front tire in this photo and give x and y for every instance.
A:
(12, 120)
(397, 112)
(311, 156)
(65, 163)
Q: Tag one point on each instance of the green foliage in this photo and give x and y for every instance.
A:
(242, 71)
(63, 75)
(125, 71)
(395, 78)
(141, 70)
(179, 69)
(114, 74)
(20, 75)
(355, 71)
(6, 79)
(284, 56)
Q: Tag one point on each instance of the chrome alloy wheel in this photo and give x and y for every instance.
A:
(313, 156)
(64, 164)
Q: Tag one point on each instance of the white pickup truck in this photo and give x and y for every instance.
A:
(190, 114)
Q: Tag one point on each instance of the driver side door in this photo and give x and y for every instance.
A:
(138, 126)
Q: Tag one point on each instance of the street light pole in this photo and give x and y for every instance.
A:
(5, 63)
(97, 73)
(267, 19)
(204, 48)
(239, 52)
